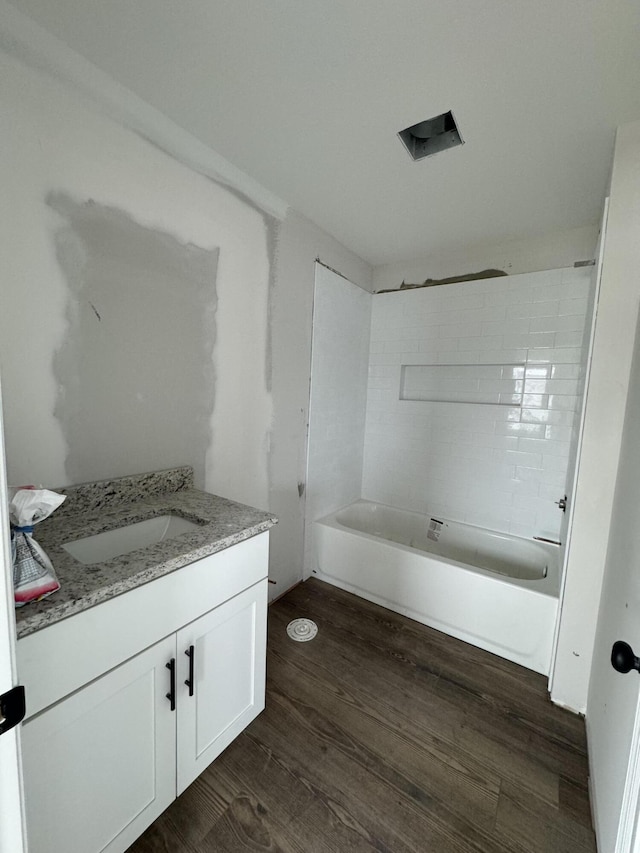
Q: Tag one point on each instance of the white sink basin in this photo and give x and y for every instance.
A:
(122, 540)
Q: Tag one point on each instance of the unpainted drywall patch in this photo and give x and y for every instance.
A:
(135, 374)
(272, 226)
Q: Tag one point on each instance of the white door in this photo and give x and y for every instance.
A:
(100, 765)
(226, 666)
(12, 838)
(613, 710)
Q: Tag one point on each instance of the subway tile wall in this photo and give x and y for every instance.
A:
(340, 359)
(518, 339)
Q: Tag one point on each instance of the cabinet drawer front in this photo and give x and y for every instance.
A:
(229, 647)
(99, 766)
(62, 657)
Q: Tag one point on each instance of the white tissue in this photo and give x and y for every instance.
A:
(29, 506)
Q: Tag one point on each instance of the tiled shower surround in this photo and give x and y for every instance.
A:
(473, 392)
(341, 322)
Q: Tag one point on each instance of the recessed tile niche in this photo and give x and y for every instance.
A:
(492, 384)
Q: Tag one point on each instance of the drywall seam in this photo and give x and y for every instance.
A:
(33, 45)
(271, 226)
(298, 243)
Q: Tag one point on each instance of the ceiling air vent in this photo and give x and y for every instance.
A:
(430, 136)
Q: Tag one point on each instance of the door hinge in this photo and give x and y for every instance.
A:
(12, 708)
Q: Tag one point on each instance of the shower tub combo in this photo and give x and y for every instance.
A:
(496, 591)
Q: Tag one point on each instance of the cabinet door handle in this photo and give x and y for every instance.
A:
(171, 695)
(190, 653)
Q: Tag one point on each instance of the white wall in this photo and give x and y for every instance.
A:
(54, 142)
(23, 38)
(546, 252)
(340, 353)
(58, 140)
(499, 465)
(604, 414)
(298, 243)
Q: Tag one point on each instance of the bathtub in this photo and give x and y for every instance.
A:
(496, 591)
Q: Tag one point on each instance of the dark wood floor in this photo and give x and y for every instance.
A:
(382, 734)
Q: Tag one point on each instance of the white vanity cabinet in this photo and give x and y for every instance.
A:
(225, 650)
(113, 734)
(99, 766)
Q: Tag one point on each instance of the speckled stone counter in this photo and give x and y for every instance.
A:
(96, 507)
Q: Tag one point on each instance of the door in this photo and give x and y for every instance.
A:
(12, 838)
(613, 710)
(223, 657)
(99, 766)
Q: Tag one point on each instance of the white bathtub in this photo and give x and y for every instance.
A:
(496, 591)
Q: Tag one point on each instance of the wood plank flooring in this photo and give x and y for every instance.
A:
(382, 734)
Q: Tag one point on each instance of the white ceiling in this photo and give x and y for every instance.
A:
(306, 96)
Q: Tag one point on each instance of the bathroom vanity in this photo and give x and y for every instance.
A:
(146, 667)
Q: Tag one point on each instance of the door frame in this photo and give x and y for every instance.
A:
(628, 838)
(572, 493)
(13, 837)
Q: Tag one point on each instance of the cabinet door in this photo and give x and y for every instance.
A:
(99, 766)
(229, 652)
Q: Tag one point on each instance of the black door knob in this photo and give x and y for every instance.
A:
(623, 658)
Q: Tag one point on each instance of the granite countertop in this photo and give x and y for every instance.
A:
(96, 507)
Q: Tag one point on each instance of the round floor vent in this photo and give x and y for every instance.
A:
(302, 630)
